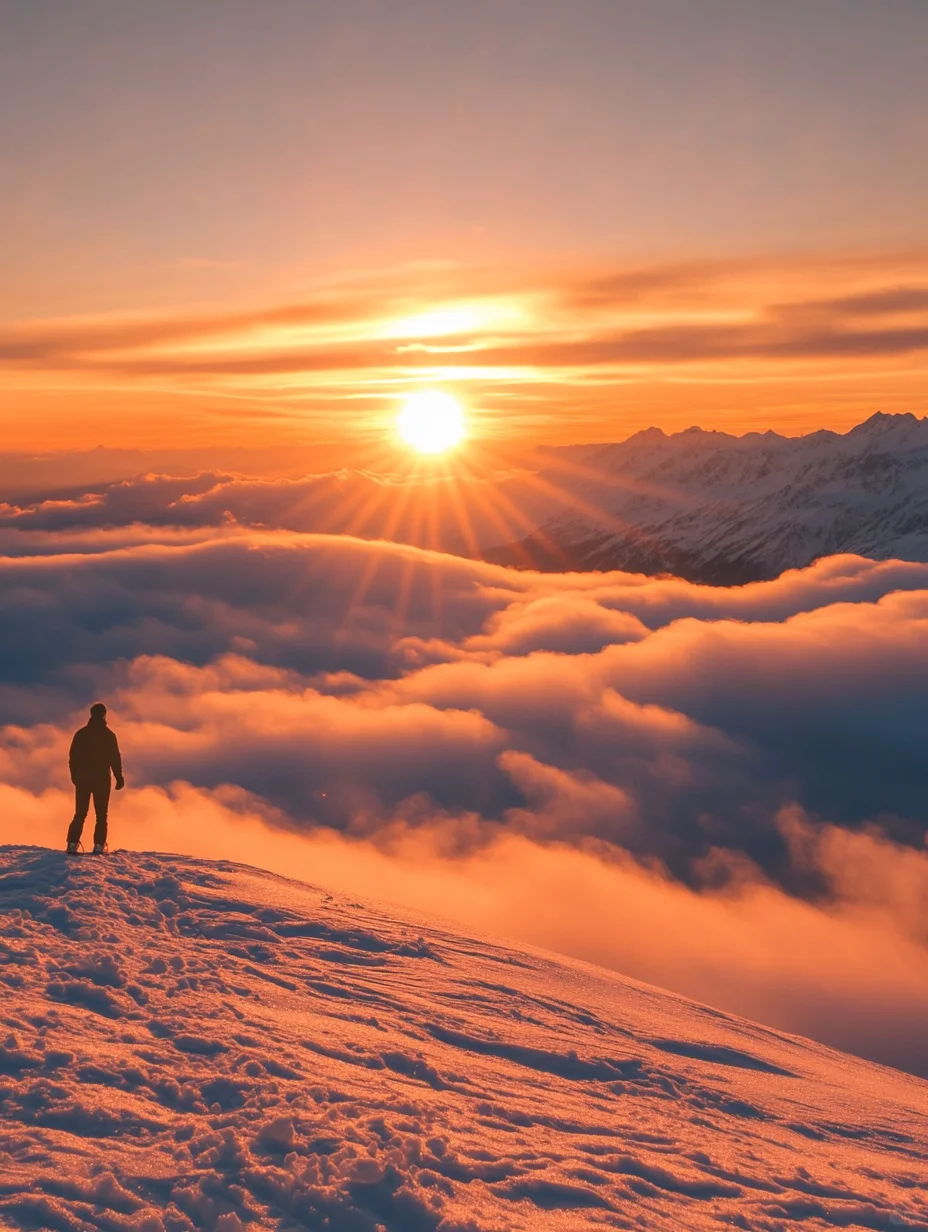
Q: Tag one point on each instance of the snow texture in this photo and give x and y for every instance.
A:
(189, 1044)
(716, 508)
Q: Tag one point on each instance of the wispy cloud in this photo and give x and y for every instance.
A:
(522, 344)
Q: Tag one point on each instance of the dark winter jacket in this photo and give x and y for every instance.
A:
(94, 752)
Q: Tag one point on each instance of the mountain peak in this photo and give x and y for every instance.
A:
(881, 422)
(647, 434)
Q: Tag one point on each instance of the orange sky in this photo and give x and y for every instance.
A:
(537, 355)
(230, 224)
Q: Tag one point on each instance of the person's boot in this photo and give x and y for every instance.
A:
(98, 849)
(72, 849)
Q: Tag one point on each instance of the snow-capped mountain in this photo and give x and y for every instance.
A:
(196, 1045)
(718, 508)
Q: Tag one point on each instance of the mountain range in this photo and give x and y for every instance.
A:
(716, 508)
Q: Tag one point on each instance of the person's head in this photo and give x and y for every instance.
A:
(98, 713)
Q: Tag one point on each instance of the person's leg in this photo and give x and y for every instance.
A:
(81, 805)
(101, 804)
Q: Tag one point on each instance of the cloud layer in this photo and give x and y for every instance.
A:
(746, 764)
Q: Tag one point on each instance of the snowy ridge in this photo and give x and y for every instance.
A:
(198, 1045)
(728, 509)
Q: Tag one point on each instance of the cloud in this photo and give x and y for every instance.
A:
(317, 668)
(682, 781)
(727, 343)
(571, 623)
(456, 513)
(506, 326)
(309, 602)
(886, 301)
(479, 513)
(780, 338)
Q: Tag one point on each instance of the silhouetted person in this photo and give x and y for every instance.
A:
(94, 753)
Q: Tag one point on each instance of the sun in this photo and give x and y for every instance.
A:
(431, 421)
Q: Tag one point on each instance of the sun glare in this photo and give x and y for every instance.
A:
(431, 421)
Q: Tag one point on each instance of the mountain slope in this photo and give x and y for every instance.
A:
(727, 509)
(199, 1045)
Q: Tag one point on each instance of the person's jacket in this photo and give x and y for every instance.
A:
(94, 752)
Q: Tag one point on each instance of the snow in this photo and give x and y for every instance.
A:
(191, 1044)
(718, 508)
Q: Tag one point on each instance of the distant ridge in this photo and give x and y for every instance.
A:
(723, 509)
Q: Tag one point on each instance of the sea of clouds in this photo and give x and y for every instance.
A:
(722, 791)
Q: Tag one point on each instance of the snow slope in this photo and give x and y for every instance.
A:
(201, 1045)
(729, 509)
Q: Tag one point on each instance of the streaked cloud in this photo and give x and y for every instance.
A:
(523, 347)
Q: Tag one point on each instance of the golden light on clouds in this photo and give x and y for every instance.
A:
(462, 319)
(548, 355)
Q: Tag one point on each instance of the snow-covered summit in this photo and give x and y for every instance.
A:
(202, 1045)
(719, 508)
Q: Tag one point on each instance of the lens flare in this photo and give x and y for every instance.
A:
(431, 421)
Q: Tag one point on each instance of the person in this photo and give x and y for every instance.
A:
(94, 753)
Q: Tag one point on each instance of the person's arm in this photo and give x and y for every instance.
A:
(72, 756)
(116, 763)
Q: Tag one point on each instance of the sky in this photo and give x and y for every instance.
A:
(225, 223)
(262, 227)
